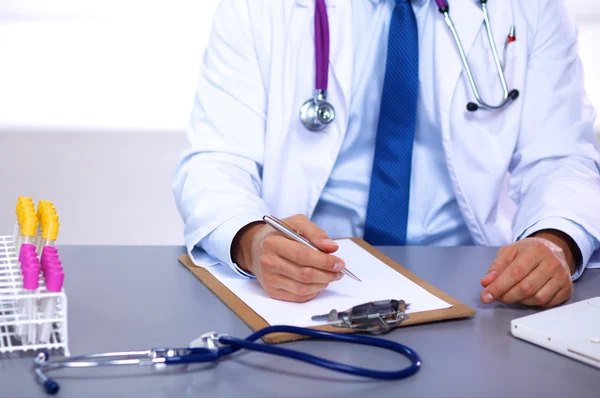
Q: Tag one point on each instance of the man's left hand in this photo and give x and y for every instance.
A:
(535, 271)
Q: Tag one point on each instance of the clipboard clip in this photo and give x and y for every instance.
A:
(375, 317)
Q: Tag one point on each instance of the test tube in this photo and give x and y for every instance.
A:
(29, 267)
(48, 254)
(28, 230)
(25, 210)
(31, 282)
(42, 209)
(27, 250)
(49, 231)
(54, 276)
(26, 259)
(16, 228)
(53, 264)
(21, 329)
(27, 256)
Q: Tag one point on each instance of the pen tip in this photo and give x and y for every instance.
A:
(351, 275)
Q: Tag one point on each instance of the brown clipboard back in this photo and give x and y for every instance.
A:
(256, 322)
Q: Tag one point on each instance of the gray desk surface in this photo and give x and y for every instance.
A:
(124, 298)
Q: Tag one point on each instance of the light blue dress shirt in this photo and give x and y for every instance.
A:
(434, 215)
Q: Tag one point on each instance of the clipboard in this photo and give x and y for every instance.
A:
(255, 322)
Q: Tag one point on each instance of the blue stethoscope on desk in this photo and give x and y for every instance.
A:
(317, 113)
(211, 347)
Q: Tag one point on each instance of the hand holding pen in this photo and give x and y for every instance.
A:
(287, 269)
(289, 232)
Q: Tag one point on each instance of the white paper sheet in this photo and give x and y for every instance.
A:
(379, 282)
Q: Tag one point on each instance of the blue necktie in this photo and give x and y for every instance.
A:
(387, 211)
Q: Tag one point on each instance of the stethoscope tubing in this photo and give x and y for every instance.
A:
(322, 39)
(507, 96)
(228, 345)
(248, 343)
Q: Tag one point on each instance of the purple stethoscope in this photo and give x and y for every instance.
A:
(317, 113)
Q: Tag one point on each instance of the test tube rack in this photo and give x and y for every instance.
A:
(12, 295)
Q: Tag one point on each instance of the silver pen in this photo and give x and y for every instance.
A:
(294, 235)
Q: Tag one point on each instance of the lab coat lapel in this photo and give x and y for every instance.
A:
(454, 92)
(300, 152)
(322, 148)
(468, 20)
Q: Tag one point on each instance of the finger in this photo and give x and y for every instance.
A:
(489, 278)
(548, 293)
(313, 233)
(505, 256)
(299, 254)
(522, 266)
(560, 297)
(304, 274)
(528, 287)
(282, 282)
(283, 295)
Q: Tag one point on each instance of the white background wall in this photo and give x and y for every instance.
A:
(94, 97)
(96, 94)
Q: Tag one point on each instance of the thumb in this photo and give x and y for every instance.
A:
(313, 233)
(504, 258)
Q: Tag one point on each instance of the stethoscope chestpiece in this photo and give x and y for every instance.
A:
(317, 113)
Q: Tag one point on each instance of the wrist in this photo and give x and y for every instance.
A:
(241, 246)
(566, 243)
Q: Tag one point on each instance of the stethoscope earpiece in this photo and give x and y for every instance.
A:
(472, 107)
(51, 387)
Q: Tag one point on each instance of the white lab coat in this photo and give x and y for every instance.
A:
(250, 155)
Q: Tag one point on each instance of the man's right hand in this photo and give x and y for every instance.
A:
(286, 269)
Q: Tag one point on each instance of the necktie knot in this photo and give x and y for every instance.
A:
(402, 2)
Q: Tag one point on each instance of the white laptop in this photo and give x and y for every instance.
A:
(572, 330)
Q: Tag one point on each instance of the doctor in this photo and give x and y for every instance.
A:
(403, 162)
